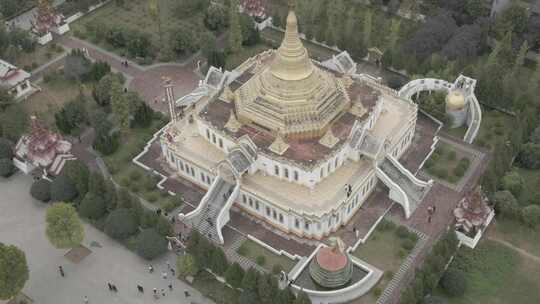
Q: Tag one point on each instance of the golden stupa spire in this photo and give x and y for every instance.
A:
(292, 60)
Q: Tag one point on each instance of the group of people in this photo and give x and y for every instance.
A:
(431, 210)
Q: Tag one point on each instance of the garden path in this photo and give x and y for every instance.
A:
(519, 250)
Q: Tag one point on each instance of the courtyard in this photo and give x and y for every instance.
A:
(22, 223)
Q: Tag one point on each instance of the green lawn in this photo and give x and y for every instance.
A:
(517, 234)
(446, 163)
(252, 250)
(385, 250)
(497, 274)
(41, 55)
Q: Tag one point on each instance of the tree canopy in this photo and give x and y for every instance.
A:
(13, 271)
(64, 229)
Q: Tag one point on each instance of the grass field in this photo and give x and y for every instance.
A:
(384, 250)
(516, 234)
(252, 250)
(497, 274)
(52, 98)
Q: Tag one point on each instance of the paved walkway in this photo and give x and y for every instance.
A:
(521, 251)
(22, 223)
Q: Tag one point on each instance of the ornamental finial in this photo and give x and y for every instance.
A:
(292, 4)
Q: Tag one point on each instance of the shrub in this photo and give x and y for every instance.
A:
(260, 260)
(531, 215)
(234, 275)
(152, 197)
(242, 250)
(121, 224)
(513, 182)
(454, 283)
(505, 204)
(218, 261)
(387, 225)
(163, 226)
(151, 244)
(377, 291)
(277, 269)
(63, 189)
(6, 150)
(408, 244)
(92, 206)
(41, 190)
(186, 265)
(435, 156)
(6, 167)
(402, 232)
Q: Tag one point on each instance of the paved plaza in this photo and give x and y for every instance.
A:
(22, 223)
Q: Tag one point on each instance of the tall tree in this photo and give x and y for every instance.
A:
(368, 27)
(64, 229)
(520, 58)
(13, 271)
(154, 12)
(120, 106)
(235, 29)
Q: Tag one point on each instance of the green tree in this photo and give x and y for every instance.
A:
(92, 206)
(143, 114)
(475, 8)
(13, 122)
(78, 173)
(394, 34)
(6, 167)
(368, 27)
(63, 189)
(6, 149)
(41, 190)
(186, 265)
(120, 106)
(529, 156)
(234, 275)
(531, 215)
(151, 244)
(155, 14)
(164, 227)
(64, 229)
(248, 297)
(520, 58)
(513, 19)
(235, 30)
(218, 262)
(505, 204)
(215, 17)
(454, 282)
(513, 182)
(6, 99)
(13, 271)
(121, 224)
(102, 91)
(249, 282)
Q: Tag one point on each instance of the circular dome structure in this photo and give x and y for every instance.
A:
(331, 267)
(455, 100)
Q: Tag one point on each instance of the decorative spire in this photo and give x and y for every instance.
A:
(292, 5)
(292, 60)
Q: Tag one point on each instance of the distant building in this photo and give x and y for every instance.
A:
(16, 81)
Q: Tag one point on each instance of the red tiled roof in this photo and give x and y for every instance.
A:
(330, 259)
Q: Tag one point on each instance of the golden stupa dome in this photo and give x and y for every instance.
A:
(455, 100)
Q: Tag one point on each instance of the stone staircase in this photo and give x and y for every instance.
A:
(399, 276)
(233, 256)
(415, 189)
(206, 221)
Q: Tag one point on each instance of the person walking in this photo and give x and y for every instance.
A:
(164, 275)
(170, 286)
(186, 293)
(110, 286)
(155, 291)
(173, 272)
(61, 270)
(150, 269)
(114, 288)
(140, 288)
(168, 264)
(85, 299)
(162, 292)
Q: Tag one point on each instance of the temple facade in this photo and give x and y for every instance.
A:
(297, 143)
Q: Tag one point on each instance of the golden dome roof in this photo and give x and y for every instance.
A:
(455, 100)
(291, 95)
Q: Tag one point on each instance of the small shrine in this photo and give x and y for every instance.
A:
(47, 21)
(473, 214)
(331, 267)
(255, 8)
(42, 149)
